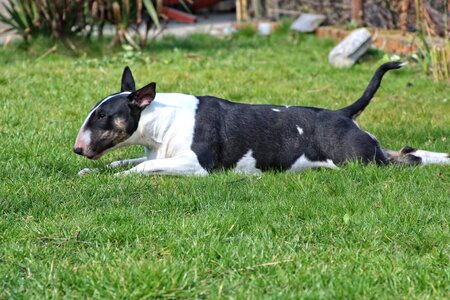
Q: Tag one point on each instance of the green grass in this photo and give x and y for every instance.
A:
(359, 232)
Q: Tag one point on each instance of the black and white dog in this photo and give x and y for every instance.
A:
(188, 135)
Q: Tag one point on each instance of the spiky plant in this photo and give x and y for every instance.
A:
(64, 19)
(435, 58)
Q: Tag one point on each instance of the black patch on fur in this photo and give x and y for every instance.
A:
(407, 149)
(105, 133)
(225, 131)
(412, 159)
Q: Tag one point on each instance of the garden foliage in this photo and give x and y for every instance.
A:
(65, 19)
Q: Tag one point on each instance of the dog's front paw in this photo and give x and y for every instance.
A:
(117, 164)
(120, 174)
(86, 171)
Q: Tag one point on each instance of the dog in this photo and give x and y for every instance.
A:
(188, 135)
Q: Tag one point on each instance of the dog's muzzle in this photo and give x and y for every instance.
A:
(78, 150)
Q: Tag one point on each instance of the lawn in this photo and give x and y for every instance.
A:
(358, 232)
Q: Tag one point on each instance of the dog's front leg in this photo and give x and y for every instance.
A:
(168, 166)
(115, 164)
(126, 162)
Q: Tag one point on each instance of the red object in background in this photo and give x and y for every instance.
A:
(199, 4)
(177, 15)
(180, 16)
(174, 2)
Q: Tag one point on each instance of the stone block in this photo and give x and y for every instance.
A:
(350, 49)
(307, 22)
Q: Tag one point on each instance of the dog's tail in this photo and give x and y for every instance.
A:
(352, 111)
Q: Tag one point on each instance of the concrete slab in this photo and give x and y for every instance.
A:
(214, 24)
(349, 50)
(307, 22)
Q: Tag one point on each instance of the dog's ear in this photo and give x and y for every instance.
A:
(127, 81)
(144, 96)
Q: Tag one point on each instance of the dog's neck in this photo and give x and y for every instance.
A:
(166, 123)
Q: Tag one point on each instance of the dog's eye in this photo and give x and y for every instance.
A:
(101, 116)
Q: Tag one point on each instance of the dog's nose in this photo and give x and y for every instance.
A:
(78, 150)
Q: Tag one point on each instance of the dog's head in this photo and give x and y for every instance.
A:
(114, 119)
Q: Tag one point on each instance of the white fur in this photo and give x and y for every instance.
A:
(87, 137)
(432, 158)
(303, 163)
(423, 153)
(166, 128)
(116, 164)
(276, 109)
(426, 160)
(181, 165)
(83, 139)
(127, 162)
(300, 130)
(247, 164)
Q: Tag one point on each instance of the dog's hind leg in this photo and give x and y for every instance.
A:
(410, 156)
(427, 157)
(398, 158)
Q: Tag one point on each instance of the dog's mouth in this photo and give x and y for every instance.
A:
(95, 156)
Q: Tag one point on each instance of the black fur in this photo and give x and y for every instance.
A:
(102, 123)
(127, 82)
(225, 131)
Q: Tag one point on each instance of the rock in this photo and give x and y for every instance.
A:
(307, 22)
(347, 52)
(264, 28)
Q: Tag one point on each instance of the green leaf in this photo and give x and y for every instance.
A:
(152, 12)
